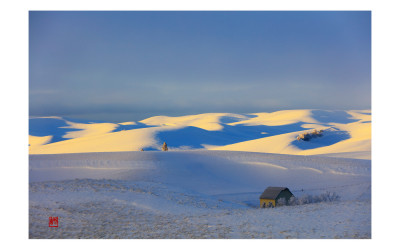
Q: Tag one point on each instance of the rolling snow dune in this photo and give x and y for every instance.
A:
(347, 133)
(195, 194)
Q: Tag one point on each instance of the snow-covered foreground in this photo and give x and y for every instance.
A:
(195, 194)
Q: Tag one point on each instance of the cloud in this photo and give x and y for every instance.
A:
(180, 62)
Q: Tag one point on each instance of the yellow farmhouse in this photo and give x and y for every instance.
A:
(271, 196)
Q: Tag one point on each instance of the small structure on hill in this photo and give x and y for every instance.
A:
(272, 195)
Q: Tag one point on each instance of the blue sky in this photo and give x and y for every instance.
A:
(127, 66)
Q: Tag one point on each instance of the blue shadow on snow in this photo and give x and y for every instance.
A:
(130, 127)
(49, 126)
(328, 138)
(194, 137)
(332, 116)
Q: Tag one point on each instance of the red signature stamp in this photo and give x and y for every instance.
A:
(53, 221)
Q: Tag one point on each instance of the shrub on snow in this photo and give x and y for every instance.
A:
(328, 196)
(308, 199)
(307, 135)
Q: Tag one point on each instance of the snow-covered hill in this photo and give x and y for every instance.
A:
(346, 133)
(94, 178)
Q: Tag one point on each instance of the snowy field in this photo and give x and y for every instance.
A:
(195, 194)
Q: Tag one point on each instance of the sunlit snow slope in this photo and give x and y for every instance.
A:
(346, 133)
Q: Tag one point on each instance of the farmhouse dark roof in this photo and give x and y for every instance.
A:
(272, 192)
